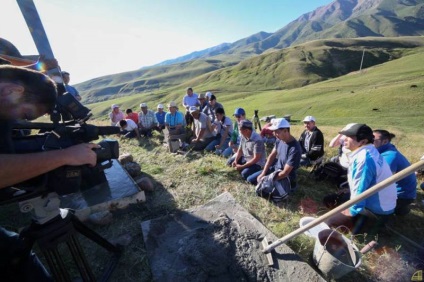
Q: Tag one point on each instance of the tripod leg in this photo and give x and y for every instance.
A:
(80, 259)
(90, 234)
(56, 265)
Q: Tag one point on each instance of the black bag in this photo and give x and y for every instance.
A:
(331, 171)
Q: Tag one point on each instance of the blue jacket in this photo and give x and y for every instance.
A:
(367, 168)
(407, 187)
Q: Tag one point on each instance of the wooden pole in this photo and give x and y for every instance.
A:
(379, 186)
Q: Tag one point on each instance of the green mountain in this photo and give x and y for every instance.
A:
(264, 61)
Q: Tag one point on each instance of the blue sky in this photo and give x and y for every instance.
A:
(91, 38)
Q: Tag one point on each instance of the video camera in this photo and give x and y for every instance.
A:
(68, 128)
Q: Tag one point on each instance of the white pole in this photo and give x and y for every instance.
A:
(362, 60)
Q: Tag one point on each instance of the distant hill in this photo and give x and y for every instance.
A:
(339, 19)
(288, 68)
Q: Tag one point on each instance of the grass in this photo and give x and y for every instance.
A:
(184, 182)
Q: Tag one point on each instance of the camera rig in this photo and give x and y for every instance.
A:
(59, 135)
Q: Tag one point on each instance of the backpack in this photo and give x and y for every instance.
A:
(331, 171)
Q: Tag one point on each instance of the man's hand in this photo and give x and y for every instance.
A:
(260, 176)
(81, 154)
(346, 213)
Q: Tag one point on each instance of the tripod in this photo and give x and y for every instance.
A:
(256, 121)
(52, 226)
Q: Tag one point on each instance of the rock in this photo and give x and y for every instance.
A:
(134, 169)
(125, 158)
(145, 184)
(101, 218)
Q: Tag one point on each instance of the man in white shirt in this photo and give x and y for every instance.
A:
(129, 128)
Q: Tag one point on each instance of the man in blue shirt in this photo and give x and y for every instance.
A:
(406, 187)
(160, 116)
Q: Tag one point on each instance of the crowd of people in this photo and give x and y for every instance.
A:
(366, 157)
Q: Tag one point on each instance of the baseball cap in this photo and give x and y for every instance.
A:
(143, 105)
(160, 106)
(239, 112)
(309, 118)
(278, 123)
(359, 130)
(201, 96)
(193, 109)
(114, 106)
(246, 124)
(208, 94)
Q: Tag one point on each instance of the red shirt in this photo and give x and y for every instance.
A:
(133, 116)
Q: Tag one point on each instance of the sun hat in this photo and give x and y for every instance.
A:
(309, 118)
(193, 109)
(278, 123)
(172, 104)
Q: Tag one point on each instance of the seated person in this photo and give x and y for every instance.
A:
(206, 108)
(203, 130)
(251, 155)
(160, 117)
(341, 157)
(115, 115)
(267, 134)
(225, 127)
(131, 115)
(282, 163)
(146, 121)
(366, 168)
(406, 187)
(174, 121)
(214, 104)
(189, 100)
(129, 128)
(311, 141)
(239, 115)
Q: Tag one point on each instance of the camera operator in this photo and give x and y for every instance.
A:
(28, 94)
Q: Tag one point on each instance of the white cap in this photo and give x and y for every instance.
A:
(193, 109)
(160, 106)
(114, 106)
(309, 118)
(208, 94)
(278, 123)
(143, 105)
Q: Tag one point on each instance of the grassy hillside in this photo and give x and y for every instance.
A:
(283, 69)
(382, 96)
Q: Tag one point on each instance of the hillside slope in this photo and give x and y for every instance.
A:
(389, 95)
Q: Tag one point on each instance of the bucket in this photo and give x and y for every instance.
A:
(334, 254)
(174, 145)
